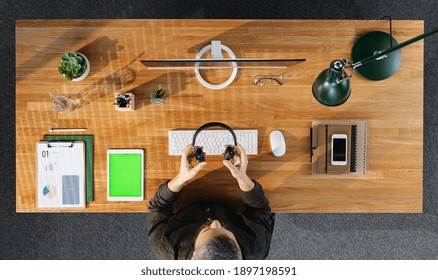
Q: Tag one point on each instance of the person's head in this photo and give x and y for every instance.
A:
(214, 242)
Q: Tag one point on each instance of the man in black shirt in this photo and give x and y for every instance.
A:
(209, 229)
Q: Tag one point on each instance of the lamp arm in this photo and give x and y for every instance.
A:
(394, 48)
(347, 64)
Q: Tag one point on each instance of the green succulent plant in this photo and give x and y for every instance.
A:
(72, 65)
(157, 96)
(158, 93)
(122, 100)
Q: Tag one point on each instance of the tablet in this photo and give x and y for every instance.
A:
(125, 175)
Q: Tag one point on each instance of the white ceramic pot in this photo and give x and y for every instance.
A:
(80, 78)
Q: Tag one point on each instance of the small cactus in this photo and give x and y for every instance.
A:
(72, 65)
(158, 93)
(158, 96)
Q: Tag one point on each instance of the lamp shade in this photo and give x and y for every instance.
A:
(330, 88)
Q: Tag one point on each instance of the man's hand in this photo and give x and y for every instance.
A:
(238, 169)
(186, 171)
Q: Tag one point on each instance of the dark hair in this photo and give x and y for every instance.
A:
(220, 247)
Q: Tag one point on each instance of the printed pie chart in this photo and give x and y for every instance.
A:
(49, 191)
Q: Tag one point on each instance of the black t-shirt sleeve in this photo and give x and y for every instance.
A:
(160, 211)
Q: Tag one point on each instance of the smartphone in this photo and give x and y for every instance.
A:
(339, 149)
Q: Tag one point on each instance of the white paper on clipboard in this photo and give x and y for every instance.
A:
(60, 175)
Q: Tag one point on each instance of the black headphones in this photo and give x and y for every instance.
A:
(230, 150)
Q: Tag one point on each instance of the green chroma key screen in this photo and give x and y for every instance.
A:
(125, 174)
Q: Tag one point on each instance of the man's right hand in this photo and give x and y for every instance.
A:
(238, 169)
(186, 171)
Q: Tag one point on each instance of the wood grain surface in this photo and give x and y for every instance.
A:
(393, 108)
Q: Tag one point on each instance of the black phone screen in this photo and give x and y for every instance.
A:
(339, 147)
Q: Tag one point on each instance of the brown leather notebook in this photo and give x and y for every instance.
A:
(321, 138)
(324, 148)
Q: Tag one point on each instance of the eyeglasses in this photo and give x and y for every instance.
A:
(275, 80)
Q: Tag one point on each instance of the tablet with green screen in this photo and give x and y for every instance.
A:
(125, 175)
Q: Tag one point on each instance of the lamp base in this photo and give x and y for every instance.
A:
(366, 46)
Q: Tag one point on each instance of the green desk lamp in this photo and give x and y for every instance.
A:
(378, 58)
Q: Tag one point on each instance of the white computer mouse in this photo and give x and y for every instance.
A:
(278, 145)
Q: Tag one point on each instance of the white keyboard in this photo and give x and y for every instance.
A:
(213, 141)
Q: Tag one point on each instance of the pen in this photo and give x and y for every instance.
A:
(66, 129)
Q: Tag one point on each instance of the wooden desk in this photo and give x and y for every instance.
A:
(393, 108)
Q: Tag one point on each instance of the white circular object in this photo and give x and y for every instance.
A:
(80, 78)
(217, 86)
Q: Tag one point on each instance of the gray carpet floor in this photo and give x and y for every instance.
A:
(296, 236)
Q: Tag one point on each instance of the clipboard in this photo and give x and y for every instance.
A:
(88, 139)
(60, 175)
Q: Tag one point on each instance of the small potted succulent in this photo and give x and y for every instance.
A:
(158, 96)
(124, 102)
(74, 66)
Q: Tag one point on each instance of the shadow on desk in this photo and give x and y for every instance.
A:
(107, 51)
(219, 184)
(74, 30)
(166, 81)
(111, 83)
